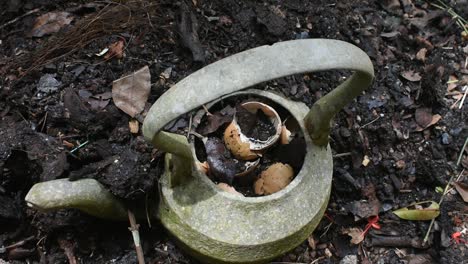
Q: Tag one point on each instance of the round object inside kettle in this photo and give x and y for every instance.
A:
(248, 143)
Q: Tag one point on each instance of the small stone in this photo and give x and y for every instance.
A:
(349, 259)
(386, 207)
(365, 161)
(401, 164)
(445, 139)
(48, 84)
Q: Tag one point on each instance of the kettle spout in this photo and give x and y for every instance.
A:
(87, 195)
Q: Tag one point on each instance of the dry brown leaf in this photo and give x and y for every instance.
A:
(434, 119)
(421, 55)
(411, 76)
(134, 126)
(462, 189)
(115, 50)
(311, 241)
(131, 92)
(355, 233)
(50, 23)
(423, 116)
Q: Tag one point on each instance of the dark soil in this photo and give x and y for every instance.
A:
(383, 158)
(255, 125)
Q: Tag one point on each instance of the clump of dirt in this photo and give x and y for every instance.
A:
(254, 125)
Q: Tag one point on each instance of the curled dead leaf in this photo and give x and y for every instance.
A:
(411, 76)
(275, 178)
(462, 189)
(50, 23)
(421, 55)
(131, 91)
(423, 116)
(115, 50)
(355, 233)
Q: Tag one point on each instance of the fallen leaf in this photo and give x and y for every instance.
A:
(134, 126)
(355, 233)
(115, 50)
(423, 116)
(421, 55)
(419, 213)
(216, 120)
(462, 189)
(131, 92)
(311, 241)
(434, 119)
(50, 23)
(411, 76)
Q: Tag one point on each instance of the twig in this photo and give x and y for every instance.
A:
(147, 210)
(342, 155)
(464, 97)
(317, 259)
(190, 125)
(426, 237)
(136, 237)
(363, 126)
(80, 146)
(20, 17)
(20, 243)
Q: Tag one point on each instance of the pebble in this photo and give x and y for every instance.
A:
(445, 139)
(349, 259)
(48, 84)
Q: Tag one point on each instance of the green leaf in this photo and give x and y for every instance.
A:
(439, 189)
(417, 212)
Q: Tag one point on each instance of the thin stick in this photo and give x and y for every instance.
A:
(190, 125)
(342, 154)
(464, 97)
(20, 243)
(363, 126)
(136, 237)
(20, 17)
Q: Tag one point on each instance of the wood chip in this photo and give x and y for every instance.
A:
(134, 126)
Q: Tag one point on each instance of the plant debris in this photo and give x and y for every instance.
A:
(131, 92)
(51, 22)
(462, 189)
(417, 212)
(115, 50)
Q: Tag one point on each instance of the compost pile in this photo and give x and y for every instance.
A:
(67, 70)
(248, 146)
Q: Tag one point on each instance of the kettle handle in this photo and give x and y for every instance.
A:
(255, 66)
